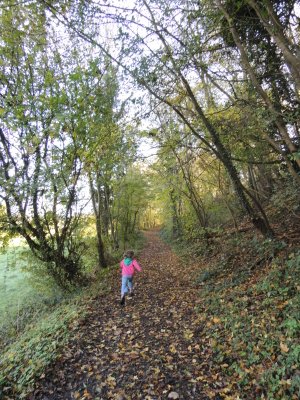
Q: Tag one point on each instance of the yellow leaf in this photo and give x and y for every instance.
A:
(111, 381)
(284, 347)
(216, 320)
(86, 394)
(172, 348)
(188, 334)
(282, 305)
(286, 382)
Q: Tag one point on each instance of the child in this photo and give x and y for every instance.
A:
(128, 266)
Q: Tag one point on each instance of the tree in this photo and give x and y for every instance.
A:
(39, 156)
(164, 59)
(131, 198)
(106, 149)
(274, 16)
(186, 57)
(177, 157)
(248, 29)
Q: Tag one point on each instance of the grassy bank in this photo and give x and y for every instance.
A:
(14, 285)
(49, 323)
(250, 315)
(42, 341)
(23, 296)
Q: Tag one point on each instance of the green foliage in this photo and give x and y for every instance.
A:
(131, 200)
(285, 199)
(5, 234)
(62, 120)
(37, 273)
(207, 275)
(15, 291)
(29, 356)
(259, 341)
(16, 319)
(90, 256)
(28, 291)
(49, 324)
(37, 139)
(267, 248)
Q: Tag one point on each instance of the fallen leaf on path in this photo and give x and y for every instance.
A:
(173, 395)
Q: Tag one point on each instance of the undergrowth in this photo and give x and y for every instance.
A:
(256, 337)
(250, 291)
(32, 352)
(36, 349)
(41, 343)
(44, 330)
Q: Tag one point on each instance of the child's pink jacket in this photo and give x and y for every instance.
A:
(130, 269)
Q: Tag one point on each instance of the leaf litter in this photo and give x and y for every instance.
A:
(169, 341)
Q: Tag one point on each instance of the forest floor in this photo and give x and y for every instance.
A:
(148, 349)
(223, 327)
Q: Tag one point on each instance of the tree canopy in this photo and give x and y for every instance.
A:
(217, 80)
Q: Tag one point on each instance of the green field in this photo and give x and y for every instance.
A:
(14, 284)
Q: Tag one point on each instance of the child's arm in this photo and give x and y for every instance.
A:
(136, 265)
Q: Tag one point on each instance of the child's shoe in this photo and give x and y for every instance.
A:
(122, 302)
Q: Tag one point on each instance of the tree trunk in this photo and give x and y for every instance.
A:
(252, 182)
(276, 31)
(114, 238)
(134, 221)
(100, 245)
(193, 197)
(106, 212)
(175, 219)
(259, 222)
(278, 120)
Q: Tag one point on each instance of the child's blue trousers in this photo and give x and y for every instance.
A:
(127, 284)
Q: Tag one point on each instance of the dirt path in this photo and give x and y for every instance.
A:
(150, 349)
